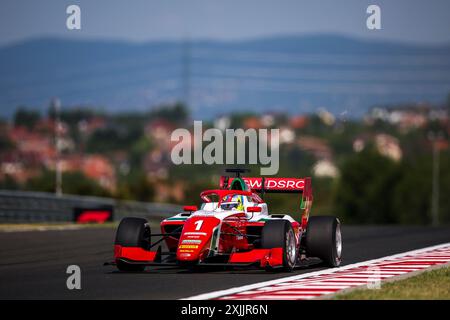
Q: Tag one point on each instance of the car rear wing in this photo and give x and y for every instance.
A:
(264, 185)
(278, 185)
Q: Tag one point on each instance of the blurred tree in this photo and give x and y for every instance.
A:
(138, 149)
(177, 113)
(5, 143)
(73, 115)
(448, 103)
(237, 119)
(8, 183)
(192, 193)
(135, 186)
(113, 138)
(412, 194)
(295, 161)
(73, 183)
(141, 189)
(364, 192)
(444, 199)
(323, 196)
(130, 119)
(26, 117)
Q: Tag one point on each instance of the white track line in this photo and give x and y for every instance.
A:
(227, 292)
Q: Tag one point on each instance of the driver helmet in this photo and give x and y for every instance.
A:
(232, 202)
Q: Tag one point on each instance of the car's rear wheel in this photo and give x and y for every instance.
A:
(279, 234)
(324, 239)
(132, 232)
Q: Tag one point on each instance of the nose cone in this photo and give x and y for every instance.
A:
(195, 240)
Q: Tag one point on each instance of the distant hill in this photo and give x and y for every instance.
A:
(284, 73)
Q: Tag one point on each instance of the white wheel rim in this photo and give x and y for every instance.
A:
(338, 241)
(291, 249)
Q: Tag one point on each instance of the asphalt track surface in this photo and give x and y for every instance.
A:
(33, 264)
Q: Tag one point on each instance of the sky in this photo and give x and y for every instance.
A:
(416, 21)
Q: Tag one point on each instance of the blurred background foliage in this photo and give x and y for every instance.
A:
(369, 187)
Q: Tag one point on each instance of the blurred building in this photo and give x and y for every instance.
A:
(95, 167)
(298, 122)
(385, 144)
(222, 123)
(100, 169)
(325, 168)
(327, 117)
(89, 126)
(318, 147)
(409, 116)
(388, 146)
(160, 131)
(253, 123)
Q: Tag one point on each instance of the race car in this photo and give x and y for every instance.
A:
(233, 227)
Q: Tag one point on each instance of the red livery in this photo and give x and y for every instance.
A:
(233, 227)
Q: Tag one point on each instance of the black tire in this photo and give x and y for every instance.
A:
(323, 239)
(132, 232)
(279, 233)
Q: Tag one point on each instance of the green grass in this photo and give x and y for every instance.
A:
(434, 284)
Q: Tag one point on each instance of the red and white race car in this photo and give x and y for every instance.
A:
(233, 227)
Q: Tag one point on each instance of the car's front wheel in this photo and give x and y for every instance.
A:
(279, 234)
(132, 232)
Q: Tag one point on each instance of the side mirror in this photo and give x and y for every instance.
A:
(253, 209)
(190, 208)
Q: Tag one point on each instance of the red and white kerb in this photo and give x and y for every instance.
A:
(330, 281)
